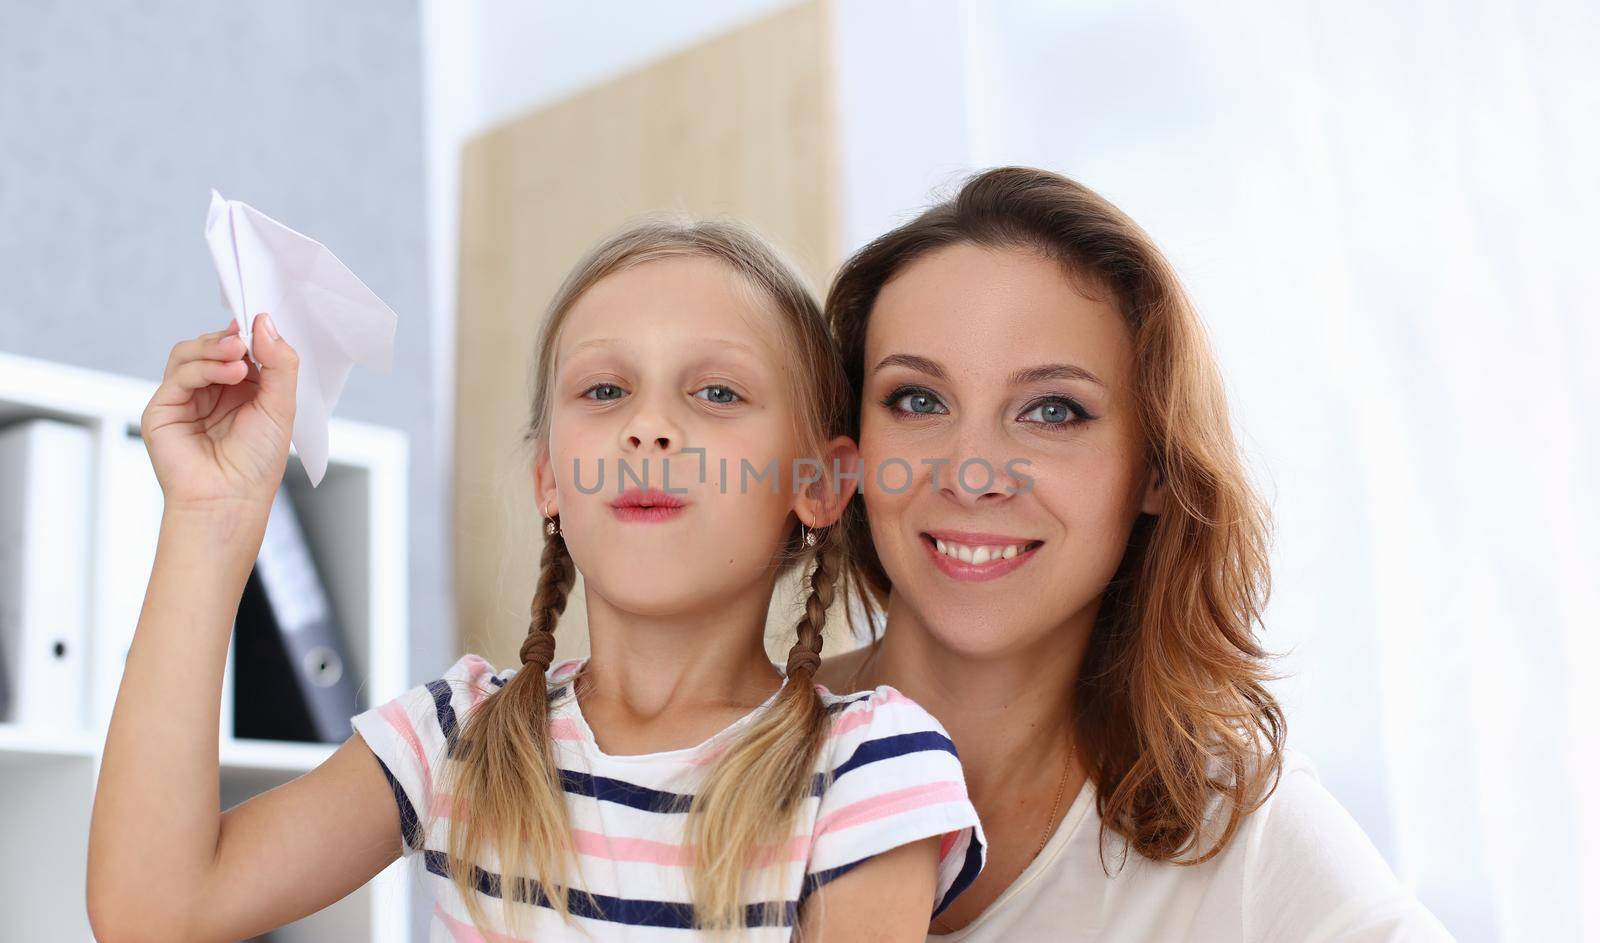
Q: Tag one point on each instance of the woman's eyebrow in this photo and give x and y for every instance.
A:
(1039, 374)
(913, 362)
(1053, 371)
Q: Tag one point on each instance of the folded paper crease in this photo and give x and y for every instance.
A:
(327, 314)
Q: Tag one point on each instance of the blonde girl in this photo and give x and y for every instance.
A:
(687, 409)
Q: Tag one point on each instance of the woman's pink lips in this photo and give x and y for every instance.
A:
(976, 572)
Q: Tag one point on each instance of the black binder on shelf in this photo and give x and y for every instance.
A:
(291, 671)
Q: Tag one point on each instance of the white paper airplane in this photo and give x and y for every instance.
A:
(330, 318)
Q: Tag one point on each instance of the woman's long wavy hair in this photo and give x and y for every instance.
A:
(506, 786)
(1171, 710)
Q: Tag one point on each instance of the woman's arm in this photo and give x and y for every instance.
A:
(889, 897)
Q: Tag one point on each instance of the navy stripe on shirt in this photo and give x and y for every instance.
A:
(651, 800)
(624, 910)
(885, 748)
(410, 829)
(446, 714)
(606, 789)
(965, 877)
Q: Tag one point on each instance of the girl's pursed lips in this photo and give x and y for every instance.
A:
(649, 498)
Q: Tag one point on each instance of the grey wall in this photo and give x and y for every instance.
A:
(115, 121)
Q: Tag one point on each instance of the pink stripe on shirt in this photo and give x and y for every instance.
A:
(397, 718)
(464, 932)
(890, 803)
(860, 718)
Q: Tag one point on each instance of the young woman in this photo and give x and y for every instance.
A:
(1071, 564)
(674, 784)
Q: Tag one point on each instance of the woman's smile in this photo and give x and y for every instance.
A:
(974, 557)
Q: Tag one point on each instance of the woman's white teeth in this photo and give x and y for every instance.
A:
(977, 555)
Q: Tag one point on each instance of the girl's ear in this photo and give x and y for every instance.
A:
(823, 502)
(544, 481)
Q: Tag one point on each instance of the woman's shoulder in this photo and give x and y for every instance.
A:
(1292, 807)
(1300, 820)
(1299, 803)
(1305, 861)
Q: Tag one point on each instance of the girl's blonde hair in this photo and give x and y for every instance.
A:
(1171, 709)
(506, 787)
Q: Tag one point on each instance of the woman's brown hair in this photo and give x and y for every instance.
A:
(1171, 709)
(507, 788)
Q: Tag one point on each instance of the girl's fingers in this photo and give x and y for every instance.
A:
(197, 375)
(280, 370)
(218, 345)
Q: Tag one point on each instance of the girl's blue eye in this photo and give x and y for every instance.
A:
(1056, 411)
(612, 387)
(915, 401)
(717, 398)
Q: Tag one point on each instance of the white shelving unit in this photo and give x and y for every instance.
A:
(355, 521)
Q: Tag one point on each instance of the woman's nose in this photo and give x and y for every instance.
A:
(974, 471)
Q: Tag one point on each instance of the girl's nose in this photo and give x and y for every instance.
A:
(663, 443)
(650, 431)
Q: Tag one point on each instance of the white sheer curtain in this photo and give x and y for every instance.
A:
(1387, 215)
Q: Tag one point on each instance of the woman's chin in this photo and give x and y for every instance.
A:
(988, 628)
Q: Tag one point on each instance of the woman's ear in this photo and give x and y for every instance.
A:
(544, 481)
(824, 501)
(1155, 491)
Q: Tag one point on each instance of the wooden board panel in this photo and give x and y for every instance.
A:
(739, 125)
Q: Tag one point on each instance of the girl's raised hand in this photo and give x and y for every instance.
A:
(217, 428)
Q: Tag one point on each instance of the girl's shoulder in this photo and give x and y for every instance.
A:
(473, 668)
(882, 713)
(891, 776)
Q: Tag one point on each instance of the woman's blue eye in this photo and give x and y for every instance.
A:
(601, 387)
(1056, 411)
(918, 402)
(717, 397)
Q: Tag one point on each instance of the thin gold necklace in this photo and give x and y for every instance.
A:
(1049, 823)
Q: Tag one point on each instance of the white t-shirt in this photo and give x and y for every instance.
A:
(1298, 869)
(892, 778)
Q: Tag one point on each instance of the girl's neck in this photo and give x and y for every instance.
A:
(1003, 712)
(651, 664)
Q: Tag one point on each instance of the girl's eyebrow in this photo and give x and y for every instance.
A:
(597, 342)
(699, 342)
(1049, 371)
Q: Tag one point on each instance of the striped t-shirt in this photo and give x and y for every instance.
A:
(888, 776)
